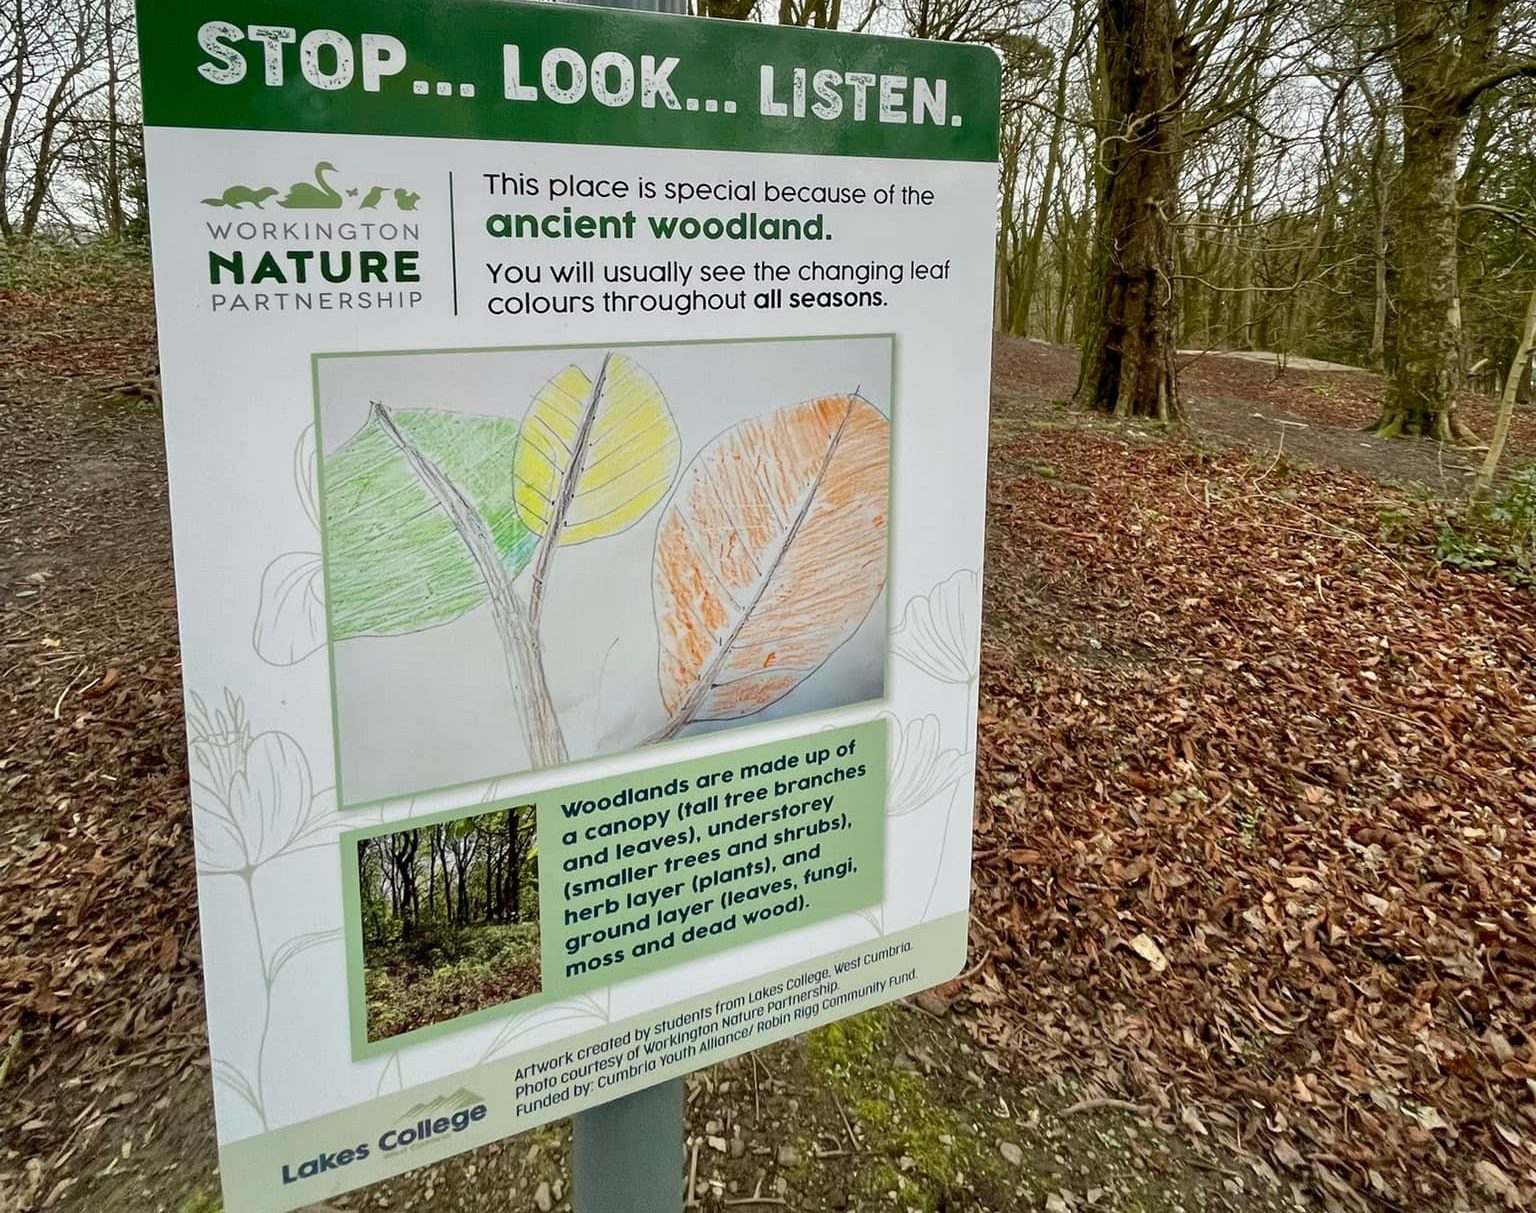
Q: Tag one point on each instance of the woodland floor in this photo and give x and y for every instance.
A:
(1254, 926)
(458, 972)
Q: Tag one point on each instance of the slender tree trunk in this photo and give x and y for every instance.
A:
(114, 185)
(1031, 269)
(1380, 194)
(1128, 351)
(432, 871)
(1445, 58)
(1506, 412)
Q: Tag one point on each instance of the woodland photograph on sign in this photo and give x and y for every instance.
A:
(449, 918)
(535, 556)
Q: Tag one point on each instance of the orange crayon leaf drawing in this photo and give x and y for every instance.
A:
(769, 555)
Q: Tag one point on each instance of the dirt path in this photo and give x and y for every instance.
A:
(1313, 416)
(1374, 740)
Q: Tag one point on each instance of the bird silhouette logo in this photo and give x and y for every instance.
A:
(318, 191)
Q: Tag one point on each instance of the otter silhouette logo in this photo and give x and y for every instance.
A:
(317, 193)
(237, 196)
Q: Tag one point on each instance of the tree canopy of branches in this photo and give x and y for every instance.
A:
(1342, 180)
(476, 871)
(71, 155)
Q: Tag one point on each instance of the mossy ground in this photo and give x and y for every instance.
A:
(893, 1110)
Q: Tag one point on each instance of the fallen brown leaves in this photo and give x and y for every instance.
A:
(100, 999)
(1255, 825)
(1254, 841)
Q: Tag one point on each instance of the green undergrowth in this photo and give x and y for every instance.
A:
(920, 1148)
(1495, 533)
(459, 972)
(48, 266)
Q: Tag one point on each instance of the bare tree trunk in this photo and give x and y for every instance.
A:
(15, 93)
(1422, 398)
(1031, 269)
(1380, 196)
(1445, 57)
(1128, 352)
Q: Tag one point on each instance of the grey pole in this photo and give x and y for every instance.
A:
(627, 1156)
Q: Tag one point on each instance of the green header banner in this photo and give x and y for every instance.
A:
(548, 73)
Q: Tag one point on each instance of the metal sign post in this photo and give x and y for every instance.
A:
(627, 1156)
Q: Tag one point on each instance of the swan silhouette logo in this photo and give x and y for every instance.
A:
(317, 193)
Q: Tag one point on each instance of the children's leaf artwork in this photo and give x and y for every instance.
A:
(396, 558)
(769, 556)
(595, 456)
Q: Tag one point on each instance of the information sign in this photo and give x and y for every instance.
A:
(576, 426)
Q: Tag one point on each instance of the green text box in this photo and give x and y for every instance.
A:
(896, 97)
(639, 872)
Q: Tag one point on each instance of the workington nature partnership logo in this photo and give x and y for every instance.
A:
(320, 244)
(318, 193)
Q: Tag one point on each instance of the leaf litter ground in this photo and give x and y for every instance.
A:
(1254, 865)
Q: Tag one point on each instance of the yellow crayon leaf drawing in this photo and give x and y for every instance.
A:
(769, 556)
(594, 456)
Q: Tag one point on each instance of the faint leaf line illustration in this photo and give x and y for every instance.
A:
(391, 1069)
(938, 862)
(586, 1008)
(305, 480)
(254, 802)
(290, 612)
(290, 619)
(940, 631)
(295, 947)
(940, 634)
(920, 768)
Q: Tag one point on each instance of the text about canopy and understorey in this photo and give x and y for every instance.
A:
(680, 861)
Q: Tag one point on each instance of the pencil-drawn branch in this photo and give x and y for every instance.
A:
(525, 664)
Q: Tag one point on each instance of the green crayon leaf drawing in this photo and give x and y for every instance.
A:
(421, 527)
(290, 620)
(397, 560)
